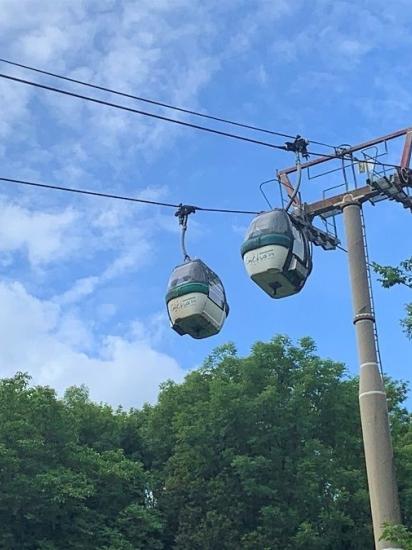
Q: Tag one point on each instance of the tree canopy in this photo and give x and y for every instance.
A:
(398, 275)
(262, 451)
(70, 473)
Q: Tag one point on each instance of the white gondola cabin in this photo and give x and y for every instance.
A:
(277, 254)
(196, 300)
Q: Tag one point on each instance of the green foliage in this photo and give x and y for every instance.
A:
(398, 534)
(66, 482)
(400, 275)
(260, 452)
(391, 276)
(407, 322)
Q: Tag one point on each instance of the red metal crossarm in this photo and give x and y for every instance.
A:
(283, 175)
(407, 150)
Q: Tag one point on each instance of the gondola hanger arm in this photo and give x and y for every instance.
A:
(182, 214)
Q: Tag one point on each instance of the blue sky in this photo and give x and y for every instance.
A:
(83, 280)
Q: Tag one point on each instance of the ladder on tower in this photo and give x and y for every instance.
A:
(368, 268)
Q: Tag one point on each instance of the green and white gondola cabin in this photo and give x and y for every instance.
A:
(277, 254)
(196, 300)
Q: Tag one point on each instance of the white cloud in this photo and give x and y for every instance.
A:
(122, 234)
(132, 260)
(338, 36)
(159, 49)
(40, 338)
(154, 48)
(39, 234)
(262, 75)
(239, 229)
(80, 289)
(16, 112)
(128, 46)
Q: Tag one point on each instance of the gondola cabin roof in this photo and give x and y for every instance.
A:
(193, 272)
(274, 227)
(277, 254)
(196, 300)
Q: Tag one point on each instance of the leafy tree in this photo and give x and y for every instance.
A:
(398, 534)
(258, 452)
(65, 481)
(261, 452)
(400, 275)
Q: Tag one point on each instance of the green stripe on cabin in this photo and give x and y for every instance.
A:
(187, 288)
(265, 240)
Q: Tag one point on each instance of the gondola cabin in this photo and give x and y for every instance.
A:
(277, 254)
(196, 300)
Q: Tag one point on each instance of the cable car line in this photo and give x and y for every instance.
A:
(277, 251)
(317, 142)
(87, 192)
(228, 211)
(156, 102)
(139, 112)
(123, 197)
(154, 115)
(150, 101)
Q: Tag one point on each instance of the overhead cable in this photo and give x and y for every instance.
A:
(317, 142)
(139, 112)
(161, 104)
(153, 115)
(146, 100)
(121, 197)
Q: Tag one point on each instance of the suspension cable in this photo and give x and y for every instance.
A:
(150, 101)
(143, 113)
(121, 197)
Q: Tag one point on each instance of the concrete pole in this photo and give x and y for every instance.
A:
(383, 492)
